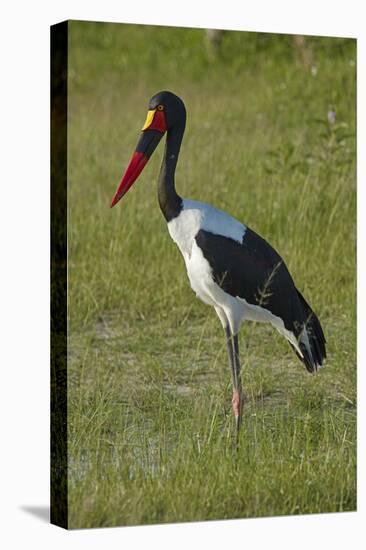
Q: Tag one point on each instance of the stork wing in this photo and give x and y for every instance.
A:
(252, 270)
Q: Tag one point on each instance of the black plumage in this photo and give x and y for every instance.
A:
(253, 270)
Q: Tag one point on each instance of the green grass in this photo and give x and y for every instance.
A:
(149, 403)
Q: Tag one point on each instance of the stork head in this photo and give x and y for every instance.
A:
(166, 111)
(172, 106)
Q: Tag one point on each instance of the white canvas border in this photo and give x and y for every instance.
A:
(25, 267)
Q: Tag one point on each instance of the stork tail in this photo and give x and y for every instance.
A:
(311, 338)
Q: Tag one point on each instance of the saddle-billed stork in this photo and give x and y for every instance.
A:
(229, 266)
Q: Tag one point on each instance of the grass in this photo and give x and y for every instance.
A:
(150, 426)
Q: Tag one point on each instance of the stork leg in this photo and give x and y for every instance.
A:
(237, 399)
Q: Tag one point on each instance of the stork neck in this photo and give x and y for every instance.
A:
(169, 200)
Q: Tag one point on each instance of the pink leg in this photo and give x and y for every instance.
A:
(237, 403)
(237, 399)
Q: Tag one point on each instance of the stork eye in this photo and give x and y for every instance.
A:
(160, 107)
